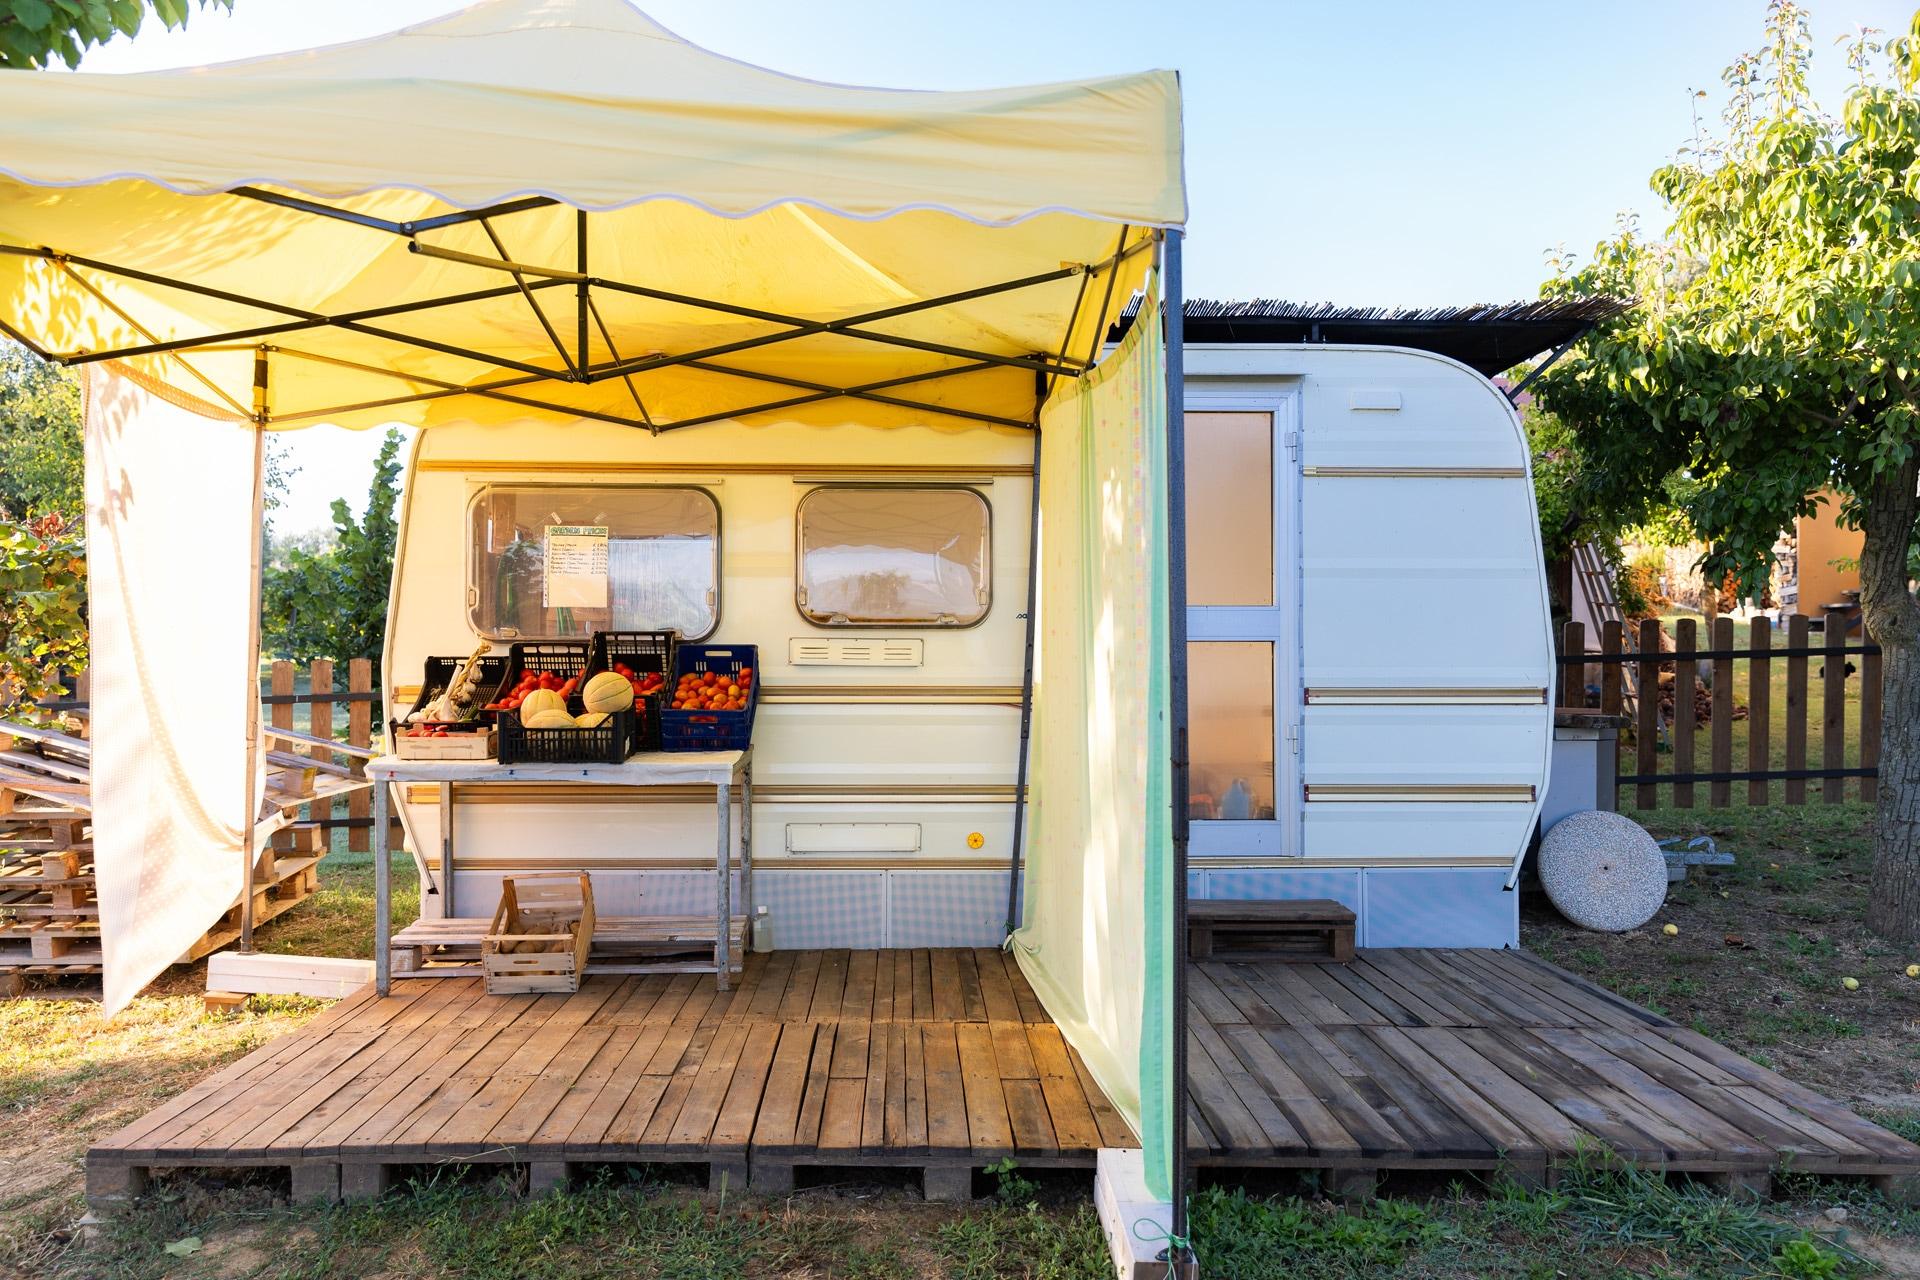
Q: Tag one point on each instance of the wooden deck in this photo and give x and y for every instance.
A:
(944, 1061)
(941, 1061)
(1489, 1059)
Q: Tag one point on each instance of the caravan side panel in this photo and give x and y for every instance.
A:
(1424, 697)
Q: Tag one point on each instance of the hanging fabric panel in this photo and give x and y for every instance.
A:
(1097, 936)
(169, 516)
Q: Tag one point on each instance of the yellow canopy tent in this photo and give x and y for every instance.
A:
(559, 209)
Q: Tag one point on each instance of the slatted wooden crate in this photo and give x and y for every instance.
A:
(540, 936)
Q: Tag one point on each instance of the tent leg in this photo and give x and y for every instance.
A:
(1174, 304)
(248, 853)
(1026, 687)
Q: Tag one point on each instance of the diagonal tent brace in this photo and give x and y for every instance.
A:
(578, 367)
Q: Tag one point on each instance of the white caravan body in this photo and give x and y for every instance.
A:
(1407, 629)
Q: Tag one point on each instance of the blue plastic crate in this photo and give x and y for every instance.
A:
(711, 730)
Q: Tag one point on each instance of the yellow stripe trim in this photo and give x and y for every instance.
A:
(879, 470)
(1360, 696)
(1419, 793)
(1415, 473)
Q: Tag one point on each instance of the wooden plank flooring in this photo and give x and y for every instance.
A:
(945, 1060)
(931, 1059)
(1487, 1059)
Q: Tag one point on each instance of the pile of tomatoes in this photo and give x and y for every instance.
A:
(713, 691)
(528, 682)
(440, 729)
(643, 682)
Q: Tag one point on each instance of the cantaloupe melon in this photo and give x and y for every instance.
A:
(608, 691)
(541, 700)
(591, 720)
(547, 719)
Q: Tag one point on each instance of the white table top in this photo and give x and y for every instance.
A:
(645, 769)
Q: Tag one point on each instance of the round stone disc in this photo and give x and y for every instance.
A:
(1603, 871)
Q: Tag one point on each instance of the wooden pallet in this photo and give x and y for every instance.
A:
(1303, 929)
(938, 1063)
(1463, 1060)
(621, 945)
(49, 911)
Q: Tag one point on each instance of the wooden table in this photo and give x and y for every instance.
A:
(720, 769)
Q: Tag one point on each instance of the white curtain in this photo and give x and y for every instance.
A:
(169, 520)
(1096, 941)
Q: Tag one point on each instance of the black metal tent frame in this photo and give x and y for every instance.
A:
(576, 366)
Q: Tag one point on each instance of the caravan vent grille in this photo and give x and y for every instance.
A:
(810, 651)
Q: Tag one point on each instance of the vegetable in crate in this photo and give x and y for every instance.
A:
(713, 691)
(643, 682)
(608, 691)
(461, 701)
(530, 683)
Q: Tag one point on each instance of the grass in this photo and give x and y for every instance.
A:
(1598, 1222)
(476, 1230)
(1763, 951)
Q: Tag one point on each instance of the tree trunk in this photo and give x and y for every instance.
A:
(1888, 510)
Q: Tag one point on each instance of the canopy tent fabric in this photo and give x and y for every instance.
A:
(1097, 937)
(602, 145)
(168, 536)
(559, 209)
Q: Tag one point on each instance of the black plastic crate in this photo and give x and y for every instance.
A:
(563, 658)
(640, 651)
(610, 742)
(685, 730)
(433, 683)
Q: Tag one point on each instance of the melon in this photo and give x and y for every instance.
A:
(541, 700)
(591, 720)
(608, 691)
(547, 719)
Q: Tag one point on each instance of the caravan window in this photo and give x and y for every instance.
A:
(892, 556)
(554, 561)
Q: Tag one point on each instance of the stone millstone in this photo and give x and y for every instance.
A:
(1603, 871)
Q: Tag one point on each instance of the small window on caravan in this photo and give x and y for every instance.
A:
(661, 568)
(893, 556)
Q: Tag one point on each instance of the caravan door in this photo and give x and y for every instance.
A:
(1243, 622)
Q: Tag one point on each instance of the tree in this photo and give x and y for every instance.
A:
(34, 32)
(43, 610)
(39, 437)
(1565, 497)
(1776, 350)
(332, 603)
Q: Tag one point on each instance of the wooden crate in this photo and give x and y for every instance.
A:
(541, 934)
(455, 746)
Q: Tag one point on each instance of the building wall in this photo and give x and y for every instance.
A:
(1821, 541)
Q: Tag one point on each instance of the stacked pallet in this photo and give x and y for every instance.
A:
(49, 916)
(49, 907)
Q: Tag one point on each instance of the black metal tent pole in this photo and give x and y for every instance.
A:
(1026, 668)
(1174, 320)
(250, 815)
(1042, 388)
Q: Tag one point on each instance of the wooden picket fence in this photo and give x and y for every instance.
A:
(321, 700)
(1848, 746)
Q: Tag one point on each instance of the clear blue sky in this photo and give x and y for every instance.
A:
(1390, 152)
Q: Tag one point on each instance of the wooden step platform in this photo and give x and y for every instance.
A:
(940, 1062)
(1462, 1060)
(621, 945)
(1305, 929)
